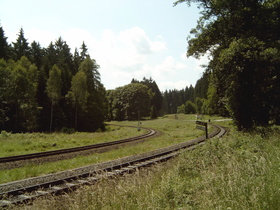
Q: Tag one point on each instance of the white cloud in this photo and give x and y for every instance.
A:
(129, 54)
(127, 49)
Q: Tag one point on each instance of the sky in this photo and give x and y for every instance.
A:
(127, 38)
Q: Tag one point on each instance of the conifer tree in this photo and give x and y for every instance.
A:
(84, 52)
(4, 47)
(21, 46)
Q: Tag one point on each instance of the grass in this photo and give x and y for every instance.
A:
(173, 131)
(25, 143)
(239, 171)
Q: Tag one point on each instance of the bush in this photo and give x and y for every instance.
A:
(5, 134)
(68, 130)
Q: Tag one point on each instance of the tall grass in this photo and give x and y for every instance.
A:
(24, 143)
(240, 171)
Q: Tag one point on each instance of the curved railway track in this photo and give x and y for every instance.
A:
(11, 159)
(29, 189)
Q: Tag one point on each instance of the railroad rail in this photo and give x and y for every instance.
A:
(24, 191)
(150, 133)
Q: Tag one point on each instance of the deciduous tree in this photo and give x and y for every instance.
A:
(242, 38)
(53, 89)
(78, 93)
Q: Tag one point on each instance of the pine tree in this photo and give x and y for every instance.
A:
(36, 54)
(21, 46)
(4, 47)
(84, 52)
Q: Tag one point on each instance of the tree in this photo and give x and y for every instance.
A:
(96, 103)
(64, 63)
(201, 86)
(190, 108)
(242, 38)
(21, 46)
(199, 105)
(36, 54)
(84, 52)
(76, 60)
(53, 89)
(4, 46)
(33, 79)
(133, 101)
(157, 99)
(23, 94)
(78, 93)
(5, 93)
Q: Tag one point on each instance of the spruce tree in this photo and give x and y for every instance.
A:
(4, 47)
(21, 47)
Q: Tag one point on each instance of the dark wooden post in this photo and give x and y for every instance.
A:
(203, 127)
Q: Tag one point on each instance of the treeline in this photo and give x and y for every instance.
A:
(47, 89)
(134, 101)
(194, 100)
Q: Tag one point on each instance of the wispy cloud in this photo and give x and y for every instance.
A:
(128, 54)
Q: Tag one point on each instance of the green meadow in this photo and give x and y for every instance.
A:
(172, 131)
(238, 171)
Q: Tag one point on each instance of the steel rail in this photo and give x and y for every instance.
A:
(150, 133)
(91, 174)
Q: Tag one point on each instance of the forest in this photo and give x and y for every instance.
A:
(51, 89)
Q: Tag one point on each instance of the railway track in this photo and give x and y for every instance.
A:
(12, 159)
(24, 191)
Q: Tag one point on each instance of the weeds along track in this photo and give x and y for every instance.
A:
(24, 191)
(49, 156)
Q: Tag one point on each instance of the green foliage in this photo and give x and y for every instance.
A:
(21, 47)
(190, 108)
(130, 102)
(4, 47)
(5, 134)
(53, 89)
(78, 94)
(156, 96)
(172, 99)
(39, 78)
(201, 87)
(96, 97)
(5, 90)
(243, 40)
(54, 85)
(23, 95)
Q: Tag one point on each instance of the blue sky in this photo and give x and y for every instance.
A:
(128, 38)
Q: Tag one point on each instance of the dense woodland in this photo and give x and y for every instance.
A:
(242, 39)
(51, 89)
